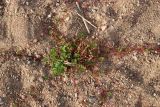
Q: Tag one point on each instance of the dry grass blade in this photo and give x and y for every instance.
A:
(86, 20)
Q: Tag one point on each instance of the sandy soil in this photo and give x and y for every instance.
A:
(130, 81)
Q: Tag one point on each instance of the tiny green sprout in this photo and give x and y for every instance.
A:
(65, 52)
(110, 94)
(53, 55)
(60, 59)
(58, 67)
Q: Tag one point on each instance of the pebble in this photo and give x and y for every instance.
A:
(76, 95)
(103, 27)
(27, 3)
(28, 62)
(135, 58)
(57, 4)
(49, 16)
(67, 19)
(40, 79)
(35, 41)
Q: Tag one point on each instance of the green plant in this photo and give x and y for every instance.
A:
(110, 94)
(76, 54)
(61, 58)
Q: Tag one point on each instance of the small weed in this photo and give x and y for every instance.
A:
(60, 59)
(110, 94)
(76, 54)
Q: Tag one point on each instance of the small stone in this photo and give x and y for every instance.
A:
(18, 59)
(27, 3)
(135, 58)
(28, 62)
(57, 4)
(40, 79)
(103, 27)
(67, 19)
(49, 16)
(76, 95)
(35, 41)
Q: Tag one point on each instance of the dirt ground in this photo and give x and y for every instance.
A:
(130, 81)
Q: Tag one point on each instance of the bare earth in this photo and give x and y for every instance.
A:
(131, 81)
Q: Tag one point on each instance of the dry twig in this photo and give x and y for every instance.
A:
(85, 21)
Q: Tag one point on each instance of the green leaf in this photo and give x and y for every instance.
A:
(65, 52)
(58, 67)
(53, 54)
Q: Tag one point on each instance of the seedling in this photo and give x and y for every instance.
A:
(60, 59)
(110, 94)
(76, 54)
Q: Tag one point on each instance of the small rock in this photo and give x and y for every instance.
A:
(28, 62)
(135, 58)
(40, 79)
(76, 95)
(35, 41)
(27, 3)
(103, 27)
(18, 59)
(57, 3)
(67, 19)
(49, 16)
